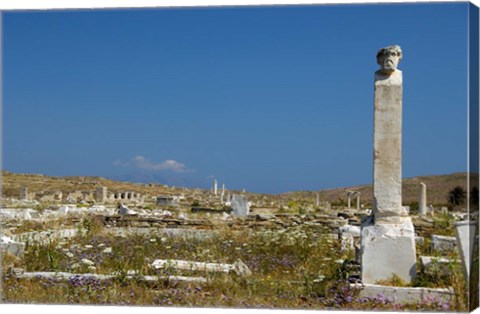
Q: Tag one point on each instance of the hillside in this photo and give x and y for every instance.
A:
(12, 182)
(438, 187)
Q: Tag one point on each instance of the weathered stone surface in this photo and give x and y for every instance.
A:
(239, 267)
(87, 262)
(45, 236)
(387, 146)
(388, 58)
(167, 200)
(388, 238)
(388, 249)
(124, 210)
(422, 200)
(263, 217)
(443, 243)
(240, 205)
(405, 294)
(436, 265)
(101, 194)
(12, 247)
(24, 193)
(7, 213)
(72, 209)
(465, 235)
(65, 276)
(348, 229)
(97, 209)
(21, 214)
(168, 232)
(32, 214)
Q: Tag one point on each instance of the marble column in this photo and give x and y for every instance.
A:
(422, 200)
(358, 199)
(388, 237)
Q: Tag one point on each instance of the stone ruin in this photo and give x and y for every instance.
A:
(240, 205)
(24, 196)
(388, 236)
(99, 196)
(167, 200)
(128, 196)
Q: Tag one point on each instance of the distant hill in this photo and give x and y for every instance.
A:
(438, 187)
(12, 182)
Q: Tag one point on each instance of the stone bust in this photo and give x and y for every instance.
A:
(388, 59)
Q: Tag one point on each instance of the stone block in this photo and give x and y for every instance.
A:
(443, 243)
(12, 247)
(439, 265)
(353, 230)
(263, 217)
(465, 234)
(405, 294)
(124, 210)
(31, 214)
(387, 146)
(387, 250)
(240, 205)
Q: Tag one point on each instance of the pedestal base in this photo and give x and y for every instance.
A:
(388, 249)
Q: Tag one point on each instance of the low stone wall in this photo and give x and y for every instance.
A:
(405, 294)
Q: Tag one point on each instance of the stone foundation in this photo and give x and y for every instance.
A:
(388, 249)
(405, 294)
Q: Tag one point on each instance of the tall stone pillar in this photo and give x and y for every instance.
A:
(388, 237)
(24, 194)
(318, 199)
(215, 187)
(101, 194)
(222, 194)
(328, 206)
(358, 199)
(422, 200)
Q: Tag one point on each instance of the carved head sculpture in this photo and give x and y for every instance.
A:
(388, 58)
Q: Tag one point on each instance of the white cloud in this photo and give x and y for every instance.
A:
(172, 165)
(120, 163)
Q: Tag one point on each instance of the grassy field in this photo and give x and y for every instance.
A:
(295, 269)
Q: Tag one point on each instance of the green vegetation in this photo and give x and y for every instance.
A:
(298, 268)
(457, 196)
(294, 265)
(444, 224)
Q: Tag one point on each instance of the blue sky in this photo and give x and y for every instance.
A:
(270, 99)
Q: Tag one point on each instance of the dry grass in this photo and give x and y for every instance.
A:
(297, 268)
(438, 187)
